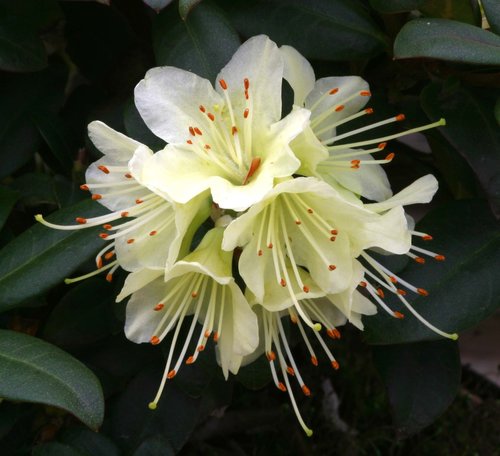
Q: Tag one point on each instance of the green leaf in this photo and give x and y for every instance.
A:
(88, 442)
(20, 48)
(56, 449)
(447, 40)
(458, 10)
(203, 43)
(156, 445)
(83, 316)
(492, 12)
(463, 290)
(395, 6)
(35, 371)
(8, 198)
(319, 29)
(471, 129)
(58, 139)
(185, 7)
(421, 379)
(497, 111)
(256, 375)
(42, 257)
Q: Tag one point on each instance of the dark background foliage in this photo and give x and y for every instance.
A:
(66, 369)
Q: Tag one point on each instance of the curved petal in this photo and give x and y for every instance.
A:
(309, 150)
(112, 143)
(299, 73)
(321, 102)
(137, 280)
(260, 61)
(169, 100)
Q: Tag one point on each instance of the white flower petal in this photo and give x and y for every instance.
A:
(114, 145)
(137, 280)
(168, 100)
(299, 73)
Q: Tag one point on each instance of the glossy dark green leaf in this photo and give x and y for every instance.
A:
(56, 449)
(256, 375)
(58, 139)
(83, 316)
(20, 96)
(185, 7)
(20, 48)
(88, 442)
(36, 14)
(463, 290)
(203, 43)
(471, 129)
(422, 380)
(447, 40)
(395, 6)
(42, 257)
(492, 11)
(156, 445)
(8, 198)
(457, 10)
(497, 111)
(35, 371)
(319, 29)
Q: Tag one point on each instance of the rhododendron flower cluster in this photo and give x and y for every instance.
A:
(294, 209)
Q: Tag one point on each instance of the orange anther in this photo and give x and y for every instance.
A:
(294, 319)
(283, 282)
(191, 131)
(339, 108)
(202, 108)
(84, 187)
(109, 255)
(270, 245)
(380, 292)
(124, 214)
(128, 175)
(159, 306)
(281, 386)
(207, 146)
(245, 113)
(427, 237)
(189, 141)
(246, 94)
(314, 360)
(393, 279)
(306, 289)
(155, 340)
(107, 226)
(398, 315)
(334, 232)
(335, 365)
(333, 333)
(96, 196)
(190, 360)
(234, 130)
(419, 260)
(201, 348)
(310, 211)
(223, 84)
(290, 370)
(259, 253)
(363, 284)
(369, 110)
(440, 257)
(332, 267)
(422, 292)
(130, 241)
(333, 91)
(152, 233)
(194, 294)
(365, 93)
(207, 334)
(306, 390)
(139, 201)
(198, 131)
(390, 156)
(81, 220)
(103, 169)
(211, 116)
(298, 222)
(246, 83)
(254, 166)
(332, 238)
(401, 292)
(216, 336)
(103, 235)
(400, 117)
(271, 356)
(171, 374)
(99, 263)
(382, 146)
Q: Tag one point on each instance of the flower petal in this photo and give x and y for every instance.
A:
(169, 100)
(260, 61)
(137, 280)
(299, 73)
(111, 143)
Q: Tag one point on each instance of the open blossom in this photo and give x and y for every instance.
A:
(229, 139)
(284, 194)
